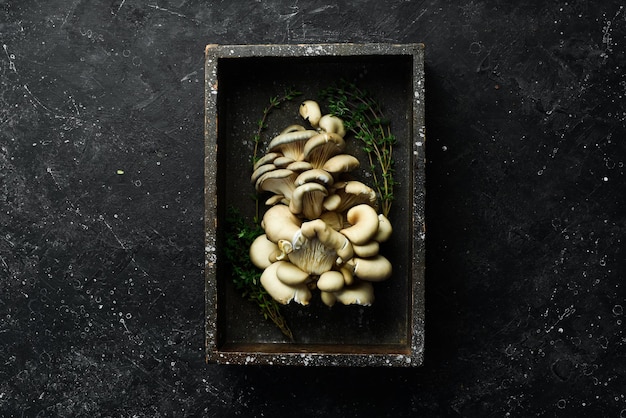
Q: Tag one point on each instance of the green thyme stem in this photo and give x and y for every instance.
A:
(246, 277)
(363, 117)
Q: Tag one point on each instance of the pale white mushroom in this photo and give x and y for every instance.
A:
(315, 175)
(373, 269)
(263, 252)
(353, 193)
(364, 221)
(281, 292)
(332, 202)
(320, 148)
(282, 161)
(262, 169)
(307, 200)
(332, 124)
(329, 237)
(347, 271)
(291, 144)
(280, 224)
(342, 163)
(266, 159)
(300, 166)
(310, 111)
(369, 249)
(290, 274)
(384, 229)
(360, 293)
(330, 281)
(279, 181)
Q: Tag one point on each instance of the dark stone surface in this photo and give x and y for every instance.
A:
(101, 303)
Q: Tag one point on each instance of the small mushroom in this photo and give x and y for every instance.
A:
(353, 193)
(299, 166)
(320, 148)
(364, 221)
(332, 124)
(262, 251)
(330, 281)
(360, 293)
(282, 161)
(281, 292)
(329, 237)
(332, 202)
(266, 159)
(384, 229)
(310, 111)
(373, 269)
(369, 249)
(316, 175)
(291, 144)
(262, 169)
(342, 163)
(290, 274)
(279, 181)
(280, 224)
(307, 199)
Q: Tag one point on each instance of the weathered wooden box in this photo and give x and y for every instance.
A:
(240, 80)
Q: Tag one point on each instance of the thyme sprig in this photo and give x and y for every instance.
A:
(246, 277)
(363, 116)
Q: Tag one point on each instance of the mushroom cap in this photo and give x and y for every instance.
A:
(262, 169)
(384, 229)
(290, 274)
(353, 193)
(282, 161)
(310, 111)
(364, 221)
(373, 269)
(320, 148)
(332, 202)
(330, 281)
(307, 199)
(280, 224)
(360, 293)
(342, 163)
(266, 159)
(281, 292)
(291, 144)
(369, 249)
(332, 124)
(279, 181)
(315, 175)
(261, 250)
(300, 166)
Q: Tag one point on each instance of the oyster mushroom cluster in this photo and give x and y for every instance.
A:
(322, 229)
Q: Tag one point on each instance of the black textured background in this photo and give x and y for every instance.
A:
(101, 281)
